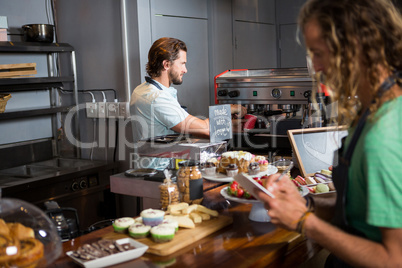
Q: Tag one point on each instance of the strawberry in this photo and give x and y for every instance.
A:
(240, 192)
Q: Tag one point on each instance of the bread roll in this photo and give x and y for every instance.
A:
(20, 231)
(4, 230)
(9, 248)
(31, 252)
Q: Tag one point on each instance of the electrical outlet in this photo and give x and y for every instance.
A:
(92, 111)
(112, 109)
(124, 110)
(102, 109)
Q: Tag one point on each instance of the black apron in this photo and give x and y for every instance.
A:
(340, 176)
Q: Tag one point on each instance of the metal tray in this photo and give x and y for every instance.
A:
(140, 172)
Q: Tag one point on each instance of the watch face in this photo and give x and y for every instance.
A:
(276, 93)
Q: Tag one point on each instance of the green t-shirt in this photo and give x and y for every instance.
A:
(374, 197)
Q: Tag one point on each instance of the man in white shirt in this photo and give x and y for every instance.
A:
(154, 108)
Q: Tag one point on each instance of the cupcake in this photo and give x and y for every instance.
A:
(262, 162)
(172, 223)
(138, 220)
(253, 168)
(152, 217)
(210, 169)
(232, 170)
(139, 230)
(162, 233)
(121, 225)
(263, 165)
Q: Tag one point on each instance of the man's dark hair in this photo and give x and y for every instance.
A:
(165, 48)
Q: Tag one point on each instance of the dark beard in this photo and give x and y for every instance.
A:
(177, 82)
(176, 79)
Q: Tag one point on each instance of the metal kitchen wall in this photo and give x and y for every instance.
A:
(112, 38)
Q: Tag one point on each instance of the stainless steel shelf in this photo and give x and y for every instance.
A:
(34, 47)
(33, 112)
(26, 84)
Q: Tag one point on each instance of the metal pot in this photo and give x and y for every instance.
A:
(38, 33)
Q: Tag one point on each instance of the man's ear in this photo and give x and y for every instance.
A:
(166, 64)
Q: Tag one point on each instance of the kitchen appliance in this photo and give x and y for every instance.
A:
(279, 98)
(38, 33)
(80, 184)
(67, 228)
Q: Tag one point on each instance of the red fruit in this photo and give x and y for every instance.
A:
(240, 192)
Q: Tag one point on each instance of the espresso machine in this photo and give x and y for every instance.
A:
(280, 99)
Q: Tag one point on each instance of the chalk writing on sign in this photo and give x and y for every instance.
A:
(220, 123)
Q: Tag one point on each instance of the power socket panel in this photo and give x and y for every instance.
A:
(112, 109)
(124, 109)
(101, 109)
(92, 109)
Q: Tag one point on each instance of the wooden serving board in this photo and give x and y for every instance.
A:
(18, 69)
(182, 238)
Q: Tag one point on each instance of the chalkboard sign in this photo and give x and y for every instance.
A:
(220, 123)
(314, 147)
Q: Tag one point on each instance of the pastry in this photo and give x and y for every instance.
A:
(232, 170)
(6, 243)
(31, 252)
(253, 168)
(210, 169)
(240, 158)
(20, 231)
(262, 162)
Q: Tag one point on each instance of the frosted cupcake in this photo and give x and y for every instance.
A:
(121, 225)
(253, 168)
(162, 233)
(262, 162)
(139, 230)
(232, 170)
(210, 169)
(152, 217)
(172, 223)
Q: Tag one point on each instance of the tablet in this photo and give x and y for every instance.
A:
(314, 148)
(252, 186)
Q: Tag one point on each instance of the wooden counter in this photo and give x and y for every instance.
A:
(244, 243)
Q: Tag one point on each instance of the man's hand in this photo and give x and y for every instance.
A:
(238, 110)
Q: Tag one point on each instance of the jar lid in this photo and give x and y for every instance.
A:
(189, 163)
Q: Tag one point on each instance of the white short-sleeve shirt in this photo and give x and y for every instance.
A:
(154, 112)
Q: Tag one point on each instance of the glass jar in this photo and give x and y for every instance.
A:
(190, 182)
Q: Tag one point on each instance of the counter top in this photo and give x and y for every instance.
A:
(244, 243)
